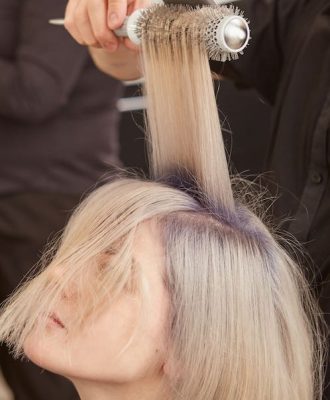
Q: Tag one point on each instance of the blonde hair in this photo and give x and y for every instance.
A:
(244, 325)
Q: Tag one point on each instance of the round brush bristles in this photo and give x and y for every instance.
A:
(162, 23)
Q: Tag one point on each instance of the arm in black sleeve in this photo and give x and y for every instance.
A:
(261, 64)
(47, 64)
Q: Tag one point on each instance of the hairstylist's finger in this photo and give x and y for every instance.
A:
(116, 13)
(69, 21)
(97, 12)
(83, 23)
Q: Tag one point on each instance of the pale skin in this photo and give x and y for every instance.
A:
(120, 353)
(92, 23)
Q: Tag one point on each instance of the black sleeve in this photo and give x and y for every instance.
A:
(47, 64)
(260, 66)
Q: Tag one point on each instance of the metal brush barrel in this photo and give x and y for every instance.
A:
(233, 34)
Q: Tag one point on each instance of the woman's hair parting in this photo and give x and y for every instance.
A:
(243, 323)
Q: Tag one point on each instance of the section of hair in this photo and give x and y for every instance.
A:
(181, 107)
(245, 326)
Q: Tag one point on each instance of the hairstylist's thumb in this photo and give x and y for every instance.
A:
(117, 10)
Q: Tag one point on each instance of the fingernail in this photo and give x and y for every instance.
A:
(113, 19)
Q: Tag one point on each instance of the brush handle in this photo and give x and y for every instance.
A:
(122, 31)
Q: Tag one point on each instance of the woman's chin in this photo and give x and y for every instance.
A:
(32, 350)
(38, 351)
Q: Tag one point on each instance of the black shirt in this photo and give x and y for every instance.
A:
(58, 116)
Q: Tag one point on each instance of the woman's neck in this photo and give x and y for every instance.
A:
(141, 390)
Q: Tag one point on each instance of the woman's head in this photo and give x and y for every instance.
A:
(147, 283)
(103, 289)
(124, 339)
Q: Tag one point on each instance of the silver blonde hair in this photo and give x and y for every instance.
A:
(244, 325)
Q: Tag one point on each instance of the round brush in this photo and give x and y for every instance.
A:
(223, 30)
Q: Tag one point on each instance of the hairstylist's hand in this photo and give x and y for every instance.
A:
(91, 22)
